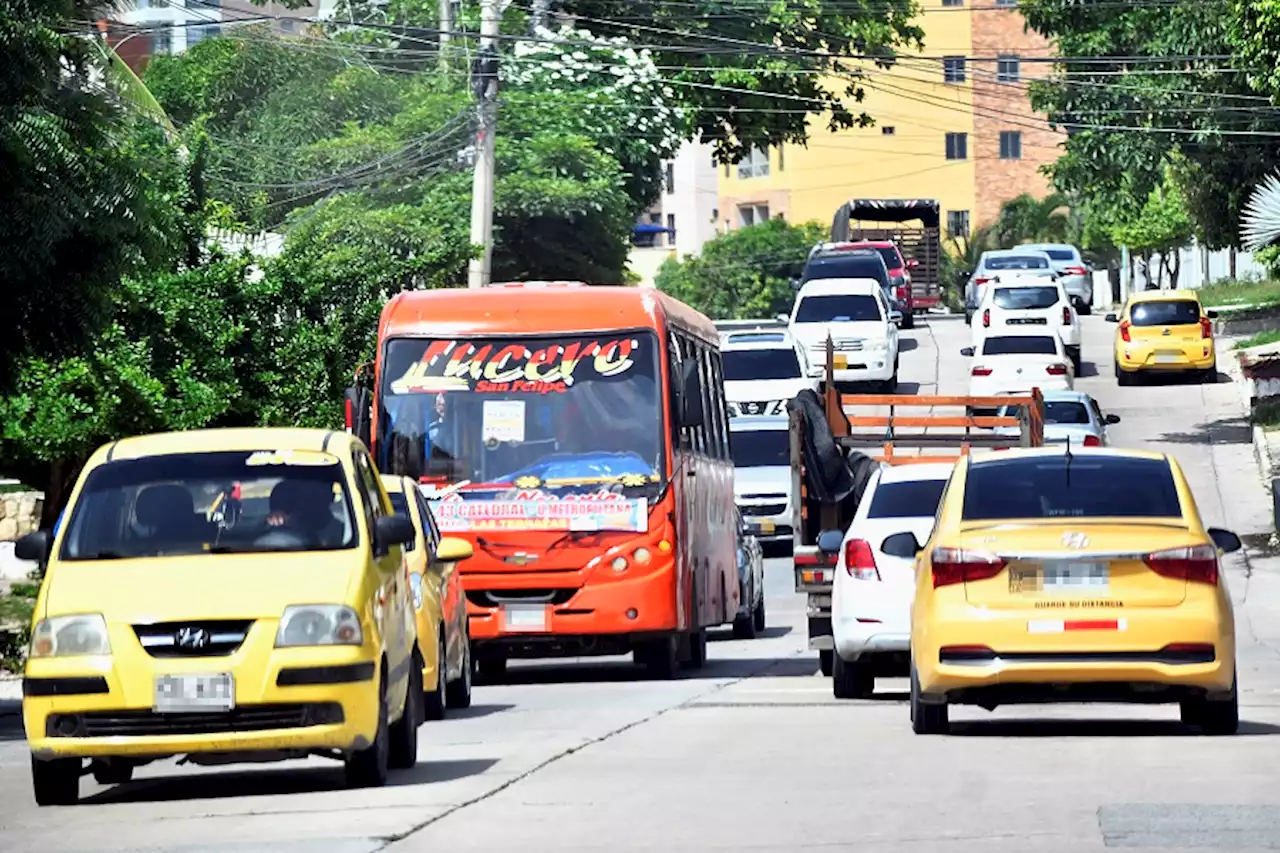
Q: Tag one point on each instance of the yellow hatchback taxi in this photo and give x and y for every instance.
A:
(438, 600)
(1070, 575)
(222, 595)
(1164, 331)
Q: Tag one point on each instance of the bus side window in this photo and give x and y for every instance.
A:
(711, 423)
(722, 411)
(689, 353)
(673, 388)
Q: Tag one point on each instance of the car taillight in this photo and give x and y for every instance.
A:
(1124, 331)
(1066, 315)
(1056, 370)
(902, 293)
(1206, 327)
(986, 317)
(1075, 271)
(981, 280)
(981, 371)
(1197, 563)
(1092, 441)
(957, 565)
(348, 414)
(860, 561)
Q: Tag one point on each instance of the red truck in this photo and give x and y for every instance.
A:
(917, 250)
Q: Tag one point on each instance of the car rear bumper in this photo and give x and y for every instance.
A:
(1145, 359)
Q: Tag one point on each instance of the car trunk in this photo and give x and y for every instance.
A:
(1171, 329)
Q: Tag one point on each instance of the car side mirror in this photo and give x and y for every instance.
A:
(1112, 419)
(829, 541)
(895, 316)
(903, 545)
(1113, 318)
(691, 396)
(912, 263)
(391, 530)
(795, 283)
(1227, 541)
(967, 352)
(1212, 315)
(451, 550)
(34, 547)
(782, 318)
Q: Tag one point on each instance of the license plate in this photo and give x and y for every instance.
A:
(524, 617)
(177, 694)
(1061, 577)
(1027, 321)
(1168, 358)
(839, 362)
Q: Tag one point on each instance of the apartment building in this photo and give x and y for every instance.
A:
(685, 215)
(952, 123)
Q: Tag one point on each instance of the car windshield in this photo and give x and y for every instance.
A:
(746, 365)
(889, 255)
(1056, 412)
(1020, 345)
(1024, 298)
(400, 504)
(757, 448)
(846, 265)
(1070, 487)
(201, 503)
(838, 308)
(913, 499)
(1173, 312)
(523, 422)
(1016, 262)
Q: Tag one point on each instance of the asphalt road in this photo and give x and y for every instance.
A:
(753, 753)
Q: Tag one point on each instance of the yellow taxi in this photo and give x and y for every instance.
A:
(1164, 331)
(223, 595)
(1067, 574)
(444, 636)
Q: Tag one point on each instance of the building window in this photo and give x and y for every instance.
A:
(671, 229)
(888, 130)
(755, 164)
(1006, 2)
(1010, 145)
(752, 214)
(957, 146)
(779, 158)
(952, 2)
(669, 176)
(1008, 69)
(958, 223)
(953, 69)
(715, 214)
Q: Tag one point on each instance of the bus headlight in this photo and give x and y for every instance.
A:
(642, 556)
(619, 564)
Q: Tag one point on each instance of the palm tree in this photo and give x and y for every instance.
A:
(1026, 219)
(1260, 225)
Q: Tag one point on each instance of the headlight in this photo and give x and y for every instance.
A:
(877, 345)
(319, 625)
(415, 586)
(69, 636)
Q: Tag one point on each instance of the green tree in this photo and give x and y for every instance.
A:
(1160, 225)
(745, 273)
(1027, 219)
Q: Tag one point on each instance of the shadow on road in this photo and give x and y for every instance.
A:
(1094, 728)
(908, 344)
(11, 720)
(615, 670)
(1088, 369)
(1223, 431)
(907, 388)
(274, 782)
(726, 635)
(477, 711)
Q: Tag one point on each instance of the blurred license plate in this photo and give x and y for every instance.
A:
(839, 362)
(1061, 577)
(1168, 357)
(524, 617)
(176, 694)
(1027, 321)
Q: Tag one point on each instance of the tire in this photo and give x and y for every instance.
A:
(1214, 718)
(56, 782)
(744, 627)
(909, 318)
(367, 768)
(698, 649)
(493, 670)
(1123, 378)
(458, 692)
(824, 661)
(1075, 362)
(757, 616)
(851, 680)
(926, 719)
(968, 318)
(112, 772)
(1084, 309)
(660, 658)
(404, 732)
(1209, 376)
(435, 702)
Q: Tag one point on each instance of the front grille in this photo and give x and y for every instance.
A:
(840, 344)
(496, 597)
(143, 723)
(764, 509)
(764, 496)
(196, 638)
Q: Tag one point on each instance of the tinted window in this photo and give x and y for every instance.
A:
(1061, 254)
(1022, 298)
(1171, 313)
(1056, 412)
(746, 365)
(846, 265)
(890, 257)
(906, 500)
(1020, 345)
(1071, 487)
(756, 337)
(837, 308)
(400, 506)
(756, 448)
(1017, 262)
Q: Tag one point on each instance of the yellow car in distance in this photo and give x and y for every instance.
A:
(1064, 574)
(224, 595)
(1164, 331)
(438, 600)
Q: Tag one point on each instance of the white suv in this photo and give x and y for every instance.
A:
(762, 371)
(860, 322)
(1028, 303)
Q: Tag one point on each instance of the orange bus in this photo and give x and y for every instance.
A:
(578, 437)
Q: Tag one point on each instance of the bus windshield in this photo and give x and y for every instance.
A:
(571, 414)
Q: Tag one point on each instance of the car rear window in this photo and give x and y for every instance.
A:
(1024, 298)
(915, 499)
(838, 307)
(400, 505)
(752, 364)
(1174, 312)
(1061, 254)
(1020, 345)
(847, 265)
(1017, 262)
(1065, 412)
(760, 448)
(1070, 486)
(890, 257)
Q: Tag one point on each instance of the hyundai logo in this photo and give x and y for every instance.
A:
(192, 638)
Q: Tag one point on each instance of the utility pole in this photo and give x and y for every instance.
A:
(484, 84)
(446, 28)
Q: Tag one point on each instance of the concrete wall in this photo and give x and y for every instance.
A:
(19, 515)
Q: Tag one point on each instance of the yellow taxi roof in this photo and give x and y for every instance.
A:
(1060, 450)
(212, 440)
(1165, 296)
(393, 482)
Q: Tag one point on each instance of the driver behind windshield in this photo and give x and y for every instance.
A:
(304, 508)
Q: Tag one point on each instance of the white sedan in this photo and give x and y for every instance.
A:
(1028, 303)
(872, 592)
(1014, 362)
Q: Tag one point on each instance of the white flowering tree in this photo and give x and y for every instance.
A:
(571, 81)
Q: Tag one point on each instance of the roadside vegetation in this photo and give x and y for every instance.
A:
(1242, 294)
(1267, 336)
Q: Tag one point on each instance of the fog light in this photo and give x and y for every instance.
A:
(632, 613)
(619, 564)
(664, 546)
(642, 555)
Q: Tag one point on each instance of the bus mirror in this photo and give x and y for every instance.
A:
(358, 412)
(691, 397)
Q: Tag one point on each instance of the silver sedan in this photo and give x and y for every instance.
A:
(1070, 417)
(1073, 272)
